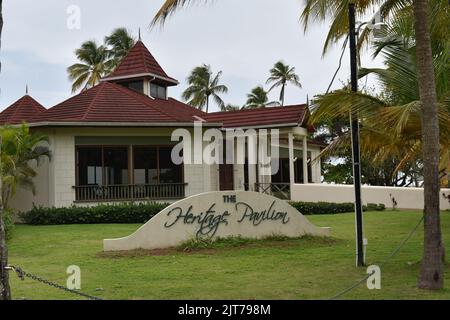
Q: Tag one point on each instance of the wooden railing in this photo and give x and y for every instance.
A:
(279, 190)
(96, 193)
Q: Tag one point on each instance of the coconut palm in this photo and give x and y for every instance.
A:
(280, 75)
(120, 43)
(258, 98)
(203, 84)
(94, 63)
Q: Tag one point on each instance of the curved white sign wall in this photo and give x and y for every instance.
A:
(218, 215)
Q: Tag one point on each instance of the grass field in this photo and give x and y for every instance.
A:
(295, 269)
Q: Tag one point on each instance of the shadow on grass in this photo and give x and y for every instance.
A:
(219, 245)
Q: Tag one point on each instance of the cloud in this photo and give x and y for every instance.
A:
(242, 38)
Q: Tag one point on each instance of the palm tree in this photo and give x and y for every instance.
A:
(280, 75)
(203, 84)
(258, 98)
(94, 64)
(120, 43)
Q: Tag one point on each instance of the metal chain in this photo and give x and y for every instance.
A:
(22, 275)
(394, 253)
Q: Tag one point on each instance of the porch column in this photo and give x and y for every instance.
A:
(291, 160)
(252, 162)
(305, 160)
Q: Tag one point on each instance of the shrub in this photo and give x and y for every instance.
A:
(308, 208)
(101, 214)
(375, 207)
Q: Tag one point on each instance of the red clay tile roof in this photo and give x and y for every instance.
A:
(23, 110)
(260, 117)
(140, 61)
(110, 102)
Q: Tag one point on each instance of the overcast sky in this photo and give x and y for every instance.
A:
(242, 38)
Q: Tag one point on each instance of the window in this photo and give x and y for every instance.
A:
(168, 171)
(134, 85)
(102, 166)
(157, 91)
(153, 165)
(90, 166)
(145, 165)
(116, 165)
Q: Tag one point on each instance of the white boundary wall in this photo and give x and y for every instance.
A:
(407, 198)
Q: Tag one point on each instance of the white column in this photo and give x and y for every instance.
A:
(291, 160)
(252, 161)
(305, 160)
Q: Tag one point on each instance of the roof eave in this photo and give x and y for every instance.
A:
(141, 75)
(119, 124)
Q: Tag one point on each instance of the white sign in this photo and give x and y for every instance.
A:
(218, 215)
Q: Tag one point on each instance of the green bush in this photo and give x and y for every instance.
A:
(309, 208)
(9, 224)
(101, 214)
(375, 207)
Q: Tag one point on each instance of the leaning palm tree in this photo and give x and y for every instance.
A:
(120, 43)
(94, 64)
(258, 98)
(280, 75)
(203, 84)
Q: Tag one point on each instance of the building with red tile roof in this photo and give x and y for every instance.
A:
(23, 110)
(114, 142)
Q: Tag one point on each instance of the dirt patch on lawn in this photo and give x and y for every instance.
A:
(217, 249)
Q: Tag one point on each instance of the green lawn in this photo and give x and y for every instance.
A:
(294, 269)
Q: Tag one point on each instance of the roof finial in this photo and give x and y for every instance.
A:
(26, 89)
(140, 34)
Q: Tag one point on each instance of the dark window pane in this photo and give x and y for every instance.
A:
(169, 172)
(89, 166)
(145, 165)
(157, 91)
(134, 85)
(116, 165)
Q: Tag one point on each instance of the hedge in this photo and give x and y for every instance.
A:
(142, 212)
(309, 208)
(101, 214)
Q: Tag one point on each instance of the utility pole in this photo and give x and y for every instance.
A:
(355, 140)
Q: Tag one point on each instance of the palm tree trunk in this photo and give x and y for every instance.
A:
(5, 291)
(431, 275)
(207, 104)
(282, 94)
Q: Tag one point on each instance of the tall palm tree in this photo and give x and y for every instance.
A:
(120, 42)
(280, 75)
(94, 63)
(203, 84)
(258, 98)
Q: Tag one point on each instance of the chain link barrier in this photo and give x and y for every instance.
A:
(392, 255)
(22, 275)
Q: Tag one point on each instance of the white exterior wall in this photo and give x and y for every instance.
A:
(407, 198)
(62, 171)
(24, 199)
